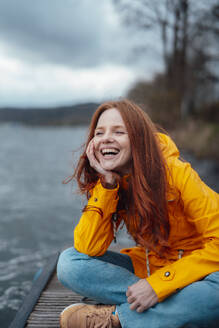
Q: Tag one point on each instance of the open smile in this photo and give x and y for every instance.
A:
(109, 152)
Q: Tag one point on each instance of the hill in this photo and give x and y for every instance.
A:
(65, 115)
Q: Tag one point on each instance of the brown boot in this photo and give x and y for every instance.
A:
(82, 315)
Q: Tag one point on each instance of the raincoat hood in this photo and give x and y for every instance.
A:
(168, 147)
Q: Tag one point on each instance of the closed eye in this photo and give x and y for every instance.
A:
(119, 132)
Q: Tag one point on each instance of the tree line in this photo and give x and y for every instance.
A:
(189, 36)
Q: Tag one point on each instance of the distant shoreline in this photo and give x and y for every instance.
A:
(198, 137)
(64, 115)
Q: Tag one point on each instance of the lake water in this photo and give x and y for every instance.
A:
(38, 213)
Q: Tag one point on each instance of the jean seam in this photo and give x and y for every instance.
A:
(121, 317)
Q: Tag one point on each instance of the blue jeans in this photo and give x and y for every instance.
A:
(106, 279)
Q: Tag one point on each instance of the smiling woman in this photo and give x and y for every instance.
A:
(111, 142)
(133, 175)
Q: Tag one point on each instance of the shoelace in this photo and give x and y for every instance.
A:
(101, 319)
(95, 321)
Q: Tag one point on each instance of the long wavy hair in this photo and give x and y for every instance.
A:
(144, 201)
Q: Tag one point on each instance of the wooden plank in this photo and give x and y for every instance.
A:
(34, 294)
(47, 299)
(52, 301)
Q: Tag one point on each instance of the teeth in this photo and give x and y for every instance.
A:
(109, 151)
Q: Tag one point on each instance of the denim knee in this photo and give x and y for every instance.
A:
(71, 268)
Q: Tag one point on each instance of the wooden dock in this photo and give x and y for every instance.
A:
(47, 299)
(52, 301)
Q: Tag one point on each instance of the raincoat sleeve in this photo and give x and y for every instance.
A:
(201, 208)
(94, 232)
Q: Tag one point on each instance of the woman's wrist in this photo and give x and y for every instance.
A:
(108, 182)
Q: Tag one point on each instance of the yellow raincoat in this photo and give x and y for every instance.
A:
(194, 229)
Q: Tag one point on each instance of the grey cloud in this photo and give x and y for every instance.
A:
(71, 32)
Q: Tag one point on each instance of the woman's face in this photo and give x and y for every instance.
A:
(111, 141)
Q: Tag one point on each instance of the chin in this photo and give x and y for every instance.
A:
(108, 167)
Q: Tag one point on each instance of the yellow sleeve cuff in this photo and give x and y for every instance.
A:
(162, 282)
(103, 198)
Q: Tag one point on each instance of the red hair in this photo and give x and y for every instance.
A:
(145, 200)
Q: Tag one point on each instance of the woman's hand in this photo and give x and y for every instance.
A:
(141, 296)
(108, 178)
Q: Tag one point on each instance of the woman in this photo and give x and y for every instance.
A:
(132, 174)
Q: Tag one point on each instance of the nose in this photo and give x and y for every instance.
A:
(107, 140)
(107, 137)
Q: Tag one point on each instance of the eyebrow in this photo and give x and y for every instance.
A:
(114, 126)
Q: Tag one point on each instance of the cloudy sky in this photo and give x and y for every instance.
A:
(56, 52)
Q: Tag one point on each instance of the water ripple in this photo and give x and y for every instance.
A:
(12, 296)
